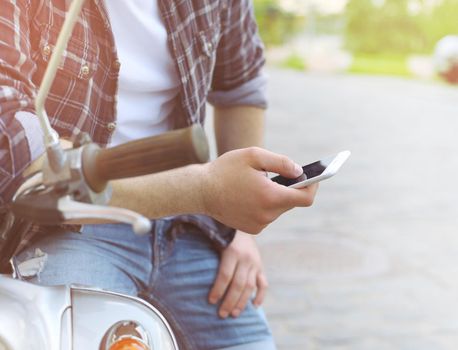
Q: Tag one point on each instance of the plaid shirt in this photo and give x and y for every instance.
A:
(214, 43)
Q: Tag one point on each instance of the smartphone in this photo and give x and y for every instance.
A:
(315, 172)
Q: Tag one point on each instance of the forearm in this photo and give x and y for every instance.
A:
(238, 127)
(172, 192)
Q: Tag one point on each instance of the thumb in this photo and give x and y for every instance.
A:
(276, 163)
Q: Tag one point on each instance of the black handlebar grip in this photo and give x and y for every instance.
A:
(170, 150)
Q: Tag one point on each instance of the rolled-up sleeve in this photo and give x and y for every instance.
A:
(238, 77)
(251, 93)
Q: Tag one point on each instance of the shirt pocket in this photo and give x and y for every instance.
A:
(80, 57)
(69, 99)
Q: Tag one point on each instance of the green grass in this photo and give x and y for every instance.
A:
(294, 61)
(379, 65)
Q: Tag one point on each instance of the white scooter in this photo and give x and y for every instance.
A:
(64, 318)
(72, 186)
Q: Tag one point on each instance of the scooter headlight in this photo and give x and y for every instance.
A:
(128, 344)
(126, 335)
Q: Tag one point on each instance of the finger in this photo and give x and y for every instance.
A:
(262, 284)
(303, 197)
(235, 290)
(246, 295)
(276, 163)
(223, 279)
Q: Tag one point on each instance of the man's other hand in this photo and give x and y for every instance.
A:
(240, 274)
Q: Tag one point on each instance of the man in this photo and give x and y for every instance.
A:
(137, 68)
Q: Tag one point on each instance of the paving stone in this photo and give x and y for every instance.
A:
(374, 263)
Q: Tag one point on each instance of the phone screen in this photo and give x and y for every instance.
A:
(310, 170)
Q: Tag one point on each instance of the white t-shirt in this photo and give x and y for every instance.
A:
(148, 80)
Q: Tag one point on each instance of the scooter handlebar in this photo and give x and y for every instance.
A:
(170, 150)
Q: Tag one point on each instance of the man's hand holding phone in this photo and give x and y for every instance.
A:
(243, 197)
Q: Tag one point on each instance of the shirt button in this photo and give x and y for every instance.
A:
(46, 50)
(111, 126)
(85, 70)
(116, 64)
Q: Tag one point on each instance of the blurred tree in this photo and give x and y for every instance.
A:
(442, 21)
(275, 25)
(381, 27)
(398, 27)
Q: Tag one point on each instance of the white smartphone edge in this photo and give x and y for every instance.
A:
(330, 170)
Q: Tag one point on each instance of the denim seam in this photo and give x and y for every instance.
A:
(152, 274)
(157, 238)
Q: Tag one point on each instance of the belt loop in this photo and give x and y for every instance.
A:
(173, 229)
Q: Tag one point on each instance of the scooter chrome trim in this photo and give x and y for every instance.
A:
(113, 307)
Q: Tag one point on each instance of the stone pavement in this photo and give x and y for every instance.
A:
(374, 264)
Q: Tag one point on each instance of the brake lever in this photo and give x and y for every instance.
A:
(50, 206)
(77, 211)
(64, 197)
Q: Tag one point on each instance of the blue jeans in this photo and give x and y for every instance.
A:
(174, 268)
